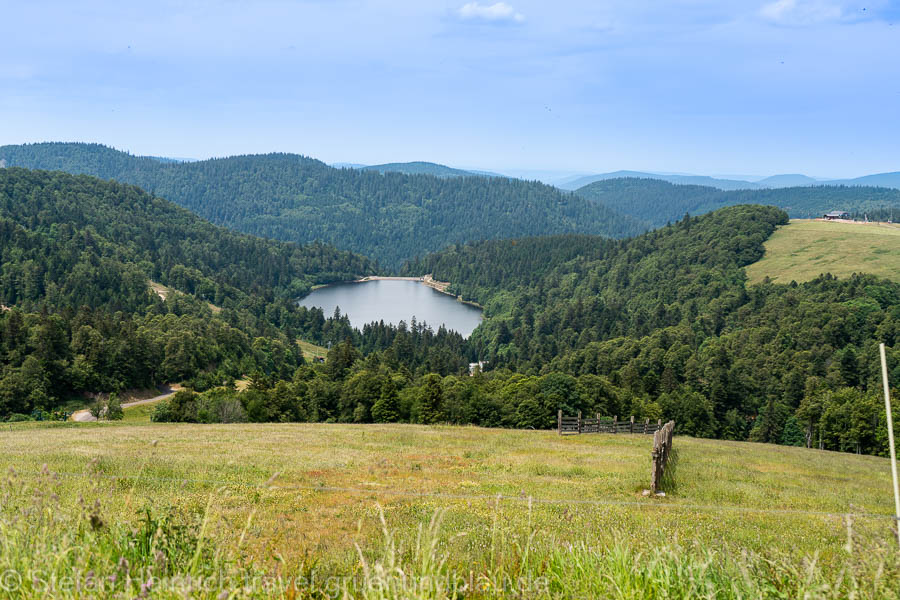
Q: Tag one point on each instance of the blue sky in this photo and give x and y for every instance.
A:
(711, 87)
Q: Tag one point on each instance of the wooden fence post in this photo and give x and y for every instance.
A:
(662, 445)
(654, 464)
(632, 424)
(579, 421)
(559, 422)
(615, 428)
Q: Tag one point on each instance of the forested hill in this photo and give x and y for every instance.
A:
(659, 326)
(77, 312)
(667, 320)
(695, 262)
(389, 217)
(59, 231)
(479, 269)
(657, 202)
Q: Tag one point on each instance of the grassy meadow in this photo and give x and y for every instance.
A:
(312, 351)
(306, 501)
(140, 413)
(804, 249)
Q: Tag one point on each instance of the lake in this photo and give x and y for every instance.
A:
(393, 301)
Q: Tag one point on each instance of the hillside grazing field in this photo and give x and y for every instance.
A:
(805, 249)
(302, 500)
(312, 351)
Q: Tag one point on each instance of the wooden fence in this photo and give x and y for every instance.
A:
(598, 424)
(662, 447)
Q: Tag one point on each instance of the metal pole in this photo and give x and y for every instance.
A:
(890, 426)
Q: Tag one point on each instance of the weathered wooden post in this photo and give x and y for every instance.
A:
(654, 464)
(662, 445)
(647, 425)
(559, 422)
(615, 427)
(632, 425)
(579, 421)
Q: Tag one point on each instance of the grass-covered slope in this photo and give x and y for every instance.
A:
(657, 202)
(804, 249)
(738, 520)
(389, 217)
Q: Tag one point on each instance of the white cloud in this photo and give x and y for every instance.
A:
(495, 13)
(802, 12)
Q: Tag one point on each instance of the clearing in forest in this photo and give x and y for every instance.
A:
(804, 249)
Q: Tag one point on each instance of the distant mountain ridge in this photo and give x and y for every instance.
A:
(658, 202)
(724, 184)
(787, 180)
(889, 180)
(575, 181)
(387, 216)
(425, 168)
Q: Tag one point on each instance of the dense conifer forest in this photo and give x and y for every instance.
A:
(77, 256)
(667, 321)
(655, 202)
(662, 325)
(53, 223)
(389, 216)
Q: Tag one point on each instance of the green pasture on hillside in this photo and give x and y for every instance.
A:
(804, 249)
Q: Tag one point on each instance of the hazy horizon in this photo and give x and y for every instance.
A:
(764, 87)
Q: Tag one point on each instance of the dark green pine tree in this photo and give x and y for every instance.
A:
(766, 427)
(793, 434)
(432, 400)
(850, 367)
(387, 408)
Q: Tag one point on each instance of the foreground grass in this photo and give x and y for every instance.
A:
(243, 501)
(805, 249)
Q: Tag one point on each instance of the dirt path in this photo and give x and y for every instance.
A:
(85, 416)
